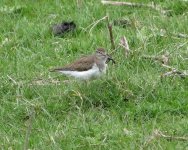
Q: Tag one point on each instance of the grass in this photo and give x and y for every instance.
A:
(72, 116)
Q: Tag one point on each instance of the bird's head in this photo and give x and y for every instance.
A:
(102, 55)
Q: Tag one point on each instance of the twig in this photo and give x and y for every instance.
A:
(12, 79)
(164, 33)
(169, 137)
(152, 6)
(105, 2)
(174, 71)
(181, 45)
(95, 23)
(151, 57)
(111, 34)
(29, 128)
(151, 138)
(180, 35)
(45, 82)
(124, 44)
(163, 58)
(168, 67)
(159, 134)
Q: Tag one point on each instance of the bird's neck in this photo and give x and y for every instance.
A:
(101, 63)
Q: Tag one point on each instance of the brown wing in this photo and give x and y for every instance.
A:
(83, 64)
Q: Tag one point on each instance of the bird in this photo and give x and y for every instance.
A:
(87, 67)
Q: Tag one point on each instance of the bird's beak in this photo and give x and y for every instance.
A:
(110, 58)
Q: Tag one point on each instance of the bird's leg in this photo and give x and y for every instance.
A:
(86, 82)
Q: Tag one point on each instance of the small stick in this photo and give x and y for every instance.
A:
(164, 58)
(124, 43)
(174, 71)
(105, 2)
(158, 134)
(151, 57)
(29, 128)
(12, 79)
(180, 35)
(152, 6)
(169, 67)
(111, 34)
(95, 23)
(45, 82)
(170, 73)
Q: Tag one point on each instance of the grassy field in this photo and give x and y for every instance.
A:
(122, 110)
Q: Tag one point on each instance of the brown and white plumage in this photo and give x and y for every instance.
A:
(87, 67)
(82, 64)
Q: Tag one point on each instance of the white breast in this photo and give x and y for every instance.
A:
(94, 72)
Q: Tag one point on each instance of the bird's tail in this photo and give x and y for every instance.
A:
(54, 70)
